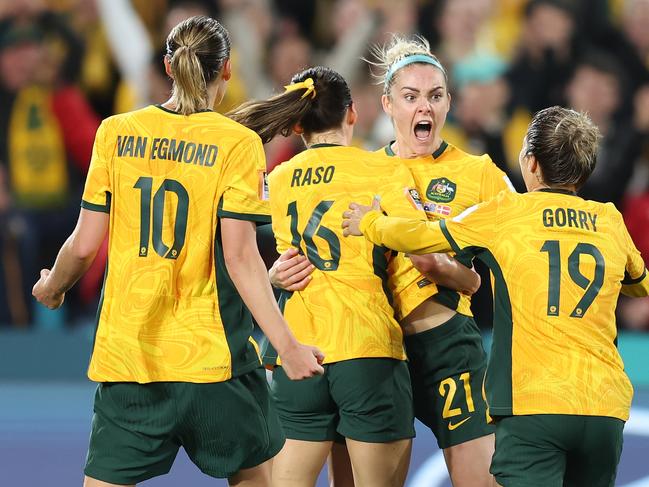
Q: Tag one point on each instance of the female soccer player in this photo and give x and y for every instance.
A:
(365, 393)
(177, 186)
(555, 384)
(444, 347)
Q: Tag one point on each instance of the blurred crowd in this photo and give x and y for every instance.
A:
(67, 64)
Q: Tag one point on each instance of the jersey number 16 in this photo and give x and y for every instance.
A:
(313, 227)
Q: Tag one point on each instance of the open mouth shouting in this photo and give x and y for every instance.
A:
(423, 130)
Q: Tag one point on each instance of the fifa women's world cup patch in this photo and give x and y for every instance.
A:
(264, 192)
(412, 195)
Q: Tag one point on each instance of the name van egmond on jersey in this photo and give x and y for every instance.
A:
(167, 149)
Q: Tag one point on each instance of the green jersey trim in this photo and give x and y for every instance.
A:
(498, 378)
(235, 316)
(456, 248)
(557, 190)
(253, 217)
(380, 266)
(86, 205)
(268, 353)
(182, 115)
(99, 309)
(319, 146)
(440, 150)
(630, 280)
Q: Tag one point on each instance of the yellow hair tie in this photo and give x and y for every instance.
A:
(307, 85)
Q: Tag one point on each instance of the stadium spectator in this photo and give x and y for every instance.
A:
(598, 87)
(546, 53)
(46, 133)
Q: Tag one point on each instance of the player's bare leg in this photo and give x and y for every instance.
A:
(340, 467)
(90, 482)
(468, 463)
(259, 476)
(380, 464)
(299, 463)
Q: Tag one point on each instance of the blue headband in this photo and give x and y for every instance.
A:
(415, 58)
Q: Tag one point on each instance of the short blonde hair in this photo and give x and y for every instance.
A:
(399, 48)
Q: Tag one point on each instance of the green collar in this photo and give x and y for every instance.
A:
(440, 150)
(557, 190)
(176, 113)
(318, 146)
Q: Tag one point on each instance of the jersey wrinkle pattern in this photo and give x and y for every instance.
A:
(169, 310)
(345, 310)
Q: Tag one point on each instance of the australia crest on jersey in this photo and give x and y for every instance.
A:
(441, 190)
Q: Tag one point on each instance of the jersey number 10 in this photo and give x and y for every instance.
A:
(145, 185)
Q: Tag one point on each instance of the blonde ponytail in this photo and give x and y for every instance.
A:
(189, 93)
(197, 49)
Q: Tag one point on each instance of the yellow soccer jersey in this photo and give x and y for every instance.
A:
(559, 263)
(169, 310)
(449, 181)
(345, 309)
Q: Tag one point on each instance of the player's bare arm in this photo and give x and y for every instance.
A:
(248, 273)
(447, 271)
(75, 256)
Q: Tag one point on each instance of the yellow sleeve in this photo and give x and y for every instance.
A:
(399, 195)
(403, 234)
(97, 191)
(475, 227)
(493, 181)
(636, 282)
(246, 192)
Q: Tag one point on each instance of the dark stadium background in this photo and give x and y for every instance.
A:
(505, 59)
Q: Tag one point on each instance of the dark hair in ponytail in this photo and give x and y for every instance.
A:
(197, 49)
(318, 111)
